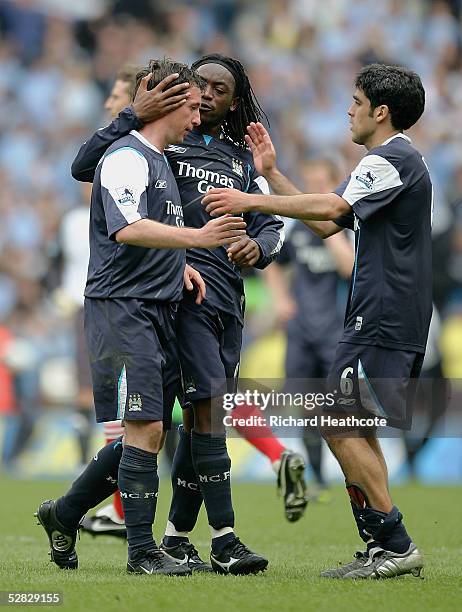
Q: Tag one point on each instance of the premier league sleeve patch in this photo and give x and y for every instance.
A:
(125, 195)
(373, 175)
(367, 177)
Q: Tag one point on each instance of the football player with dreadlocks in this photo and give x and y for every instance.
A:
(210, 336)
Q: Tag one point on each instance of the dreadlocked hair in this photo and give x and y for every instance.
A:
(248, 109)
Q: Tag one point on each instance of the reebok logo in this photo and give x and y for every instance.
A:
(190, 386)
(345, 401)
(175, 149)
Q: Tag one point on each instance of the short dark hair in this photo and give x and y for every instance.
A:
(398, 88)
(127, 74)
(165, 66)
(248, 109)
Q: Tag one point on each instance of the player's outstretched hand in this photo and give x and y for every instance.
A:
(259, 142)
(192, 279)
(224, 201)
(222, 231)
(244, 253)
(157, 102)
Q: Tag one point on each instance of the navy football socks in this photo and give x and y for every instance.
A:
(378, 528)
(138, 484)
(220, 542)
(187, 496)
(97, 482)
(212, 465)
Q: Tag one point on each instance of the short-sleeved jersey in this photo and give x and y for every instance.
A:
(134, 181)
(390, 194)
(201, 163)
(315, 284)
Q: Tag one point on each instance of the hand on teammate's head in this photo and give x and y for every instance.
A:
(150, 105)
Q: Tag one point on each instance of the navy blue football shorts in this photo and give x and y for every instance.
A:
(209, 345)
(133, 358)
(373, 381)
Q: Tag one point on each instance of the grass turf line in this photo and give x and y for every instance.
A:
(297, 553)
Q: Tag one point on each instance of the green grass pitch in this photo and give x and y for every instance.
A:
(297, 552)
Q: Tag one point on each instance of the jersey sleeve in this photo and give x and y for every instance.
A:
(90, 153)
(373, 184)
(348, 219)
(124, 178)
(268, 232)
(255, 182)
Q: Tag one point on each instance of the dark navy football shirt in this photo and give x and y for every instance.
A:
(315, 284)
(133, 182)
(391, 199)
(201, 163)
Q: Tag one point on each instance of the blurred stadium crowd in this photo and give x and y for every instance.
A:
(57, 64)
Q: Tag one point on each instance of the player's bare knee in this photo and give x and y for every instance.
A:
(144, 434)
(188, 418)
(202, 416)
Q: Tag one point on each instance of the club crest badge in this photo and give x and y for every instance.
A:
(135, 403)
(237, 167)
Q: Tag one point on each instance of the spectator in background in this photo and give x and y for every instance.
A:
(300, 54)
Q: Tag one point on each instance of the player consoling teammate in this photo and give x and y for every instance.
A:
(135, 281)
(209, 336)
(387, 201)
(228, 105)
